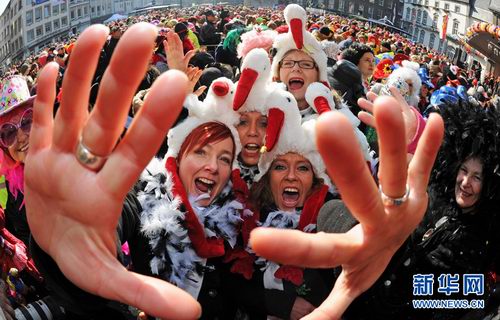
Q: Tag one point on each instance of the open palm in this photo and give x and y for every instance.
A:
(364, 251)
(73, 211)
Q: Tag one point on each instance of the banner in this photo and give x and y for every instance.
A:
(35, 2)
(445, 27)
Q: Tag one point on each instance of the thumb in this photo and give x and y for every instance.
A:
(200, 90)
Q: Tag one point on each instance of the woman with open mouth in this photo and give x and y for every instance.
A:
(459, 232)
(288, 192)
(16, 117)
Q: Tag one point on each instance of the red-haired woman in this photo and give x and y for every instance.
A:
(182, 220)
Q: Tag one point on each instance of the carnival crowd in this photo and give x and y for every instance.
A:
(241, 163)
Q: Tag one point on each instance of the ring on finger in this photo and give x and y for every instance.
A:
(87, 158)
(394, 202)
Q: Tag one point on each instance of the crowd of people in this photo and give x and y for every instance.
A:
(240, 163)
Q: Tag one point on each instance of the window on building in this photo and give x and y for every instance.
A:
(30, 35)
(361, 9)
(432, 39)
(39, 31)
(426, 3)
(79, 12)
(48, 27)
(457, 9)
(456, 24)
(19, 24)
(85, 11)
(64, 21)
(351, 8)
(437, 4)
(419, 15)
(92, 10)
(435, 20)
(38, 14)
(447, 6)
(408, 12)
(370, 10)
(424, 17)
(46, 11)
(422, 36)
(341, 5)
(29, 17)
(55, 10)
(56, 24)
(28, 2)
(72, 14)
(63, 7)
(381, 3)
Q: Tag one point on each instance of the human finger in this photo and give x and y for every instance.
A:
(420, 167)
(392, 145)
(317, 250)
(348, 169)
(367, 118)
(335, 304)
(119, 83)
(148, 130)
(371, 96)
(200, 90)
(41, 129)
(156, 297)
(188, 56)
(73, 111)
(404, 106)
(365, 104)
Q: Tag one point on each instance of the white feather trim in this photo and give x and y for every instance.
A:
(162, 223)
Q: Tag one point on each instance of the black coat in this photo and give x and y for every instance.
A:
(456, 244)
(215, 295)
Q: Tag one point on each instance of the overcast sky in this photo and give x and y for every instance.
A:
(3, 4)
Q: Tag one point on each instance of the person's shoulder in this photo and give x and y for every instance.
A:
(335, 217)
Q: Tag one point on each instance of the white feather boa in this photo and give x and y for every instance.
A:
(280, 220)
(162, 222)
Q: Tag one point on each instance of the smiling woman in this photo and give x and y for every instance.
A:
(16, 116)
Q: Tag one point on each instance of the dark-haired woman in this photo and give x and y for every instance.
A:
(459, 233)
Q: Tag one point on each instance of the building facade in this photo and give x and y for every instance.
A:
(26, 26)
(388, 10)
(441, 25)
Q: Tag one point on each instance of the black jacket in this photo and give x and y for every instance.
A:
(446, 242)
(215, 295)
(209, 35)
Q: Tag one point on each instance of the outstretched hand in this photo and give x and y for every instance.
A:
(364, 251)
(409, 116)
(176, 59)
(72, 210)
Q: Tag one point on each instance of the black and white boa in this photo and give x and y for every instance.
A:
(162, 221)
(280, 220)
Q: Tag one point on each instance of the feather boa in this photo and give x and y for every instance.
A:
(274, 274)
(163, 223)
(14, 175)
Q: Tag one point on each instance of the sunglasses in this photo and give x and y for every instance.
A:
(8, 130)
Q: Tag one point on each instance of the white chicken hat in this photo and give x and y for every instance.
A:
(217, 107)
(299, 38)
(408, 72)
(320, 98)
(254, 85)
(285, 134)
